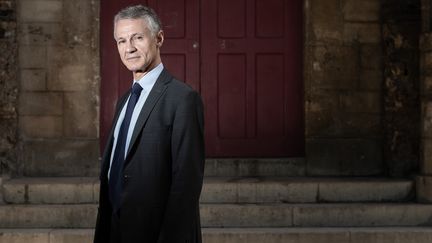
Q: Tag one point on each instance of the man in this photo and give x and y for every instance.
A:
(152, 167)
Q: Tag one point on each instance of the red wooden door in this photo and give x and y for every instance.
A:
(245, 57)
(252, 77)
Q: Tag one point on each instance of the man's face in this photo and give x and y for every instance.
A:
(137, 46)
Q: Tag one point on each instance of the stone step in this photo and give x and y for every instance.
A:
(236, 215)
(315, 215)
(51, 190)
(69, 190)
(280, 167)
(241, 235)
(213, 167)
(305, 190)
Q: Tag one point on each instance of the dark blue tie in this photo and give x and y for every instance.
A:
(115, 176)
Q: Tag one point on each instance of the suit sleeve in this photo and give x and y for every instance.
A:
(187, 149)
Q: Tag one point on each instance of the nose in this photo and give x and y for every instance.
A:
(130, 48)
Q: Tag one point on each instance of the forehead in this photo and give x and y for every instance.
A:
(126, 27)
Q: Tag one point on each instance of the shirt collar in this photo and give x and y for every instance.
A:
(148, 80)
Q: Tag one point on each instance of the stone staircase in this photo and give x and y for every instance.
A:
(242, 201)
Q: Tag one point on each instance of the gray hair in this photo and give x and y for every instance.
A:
(141, 12)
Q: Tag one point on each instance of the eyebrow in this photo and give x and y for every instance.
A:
(133, 35)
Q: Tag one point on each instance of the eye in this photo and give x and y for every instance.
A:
(139, 37)
(120, 42)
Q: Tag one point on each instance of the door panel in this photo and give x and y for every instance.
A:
(245, 58)
(251, 59)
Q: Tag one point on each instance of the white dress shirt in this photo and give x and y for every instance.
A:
(146, 82)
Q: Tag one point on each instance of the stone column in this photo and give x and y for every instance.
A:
(343, 76)
(424, 181)
(8, 86)
(59, 87)
(401, 27)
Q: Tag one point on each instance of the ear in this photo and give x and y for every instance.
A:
(159, 38)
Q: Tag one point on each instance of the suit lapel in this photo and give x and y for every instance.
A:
(154, 95)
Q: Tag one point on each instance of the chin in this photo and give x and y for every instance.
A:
(134, 68)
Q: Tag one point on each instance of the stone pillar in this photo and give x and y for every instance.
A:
(343, 86)
(59, 78)
(401, 27)
(8, 86)
(424, 181)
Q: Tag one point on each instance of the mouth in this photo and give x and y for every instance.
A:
(132, 58)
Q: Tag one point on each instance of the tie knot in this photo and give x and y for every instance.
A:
(136, 88)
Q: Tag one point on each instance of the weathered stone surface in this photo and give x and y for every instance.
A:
(322, 100)
(41, 126)
(368, 102)
(71, 236)
(81, 115)
(48, 216)
(78, 19)
(426, 156)
(232, 215)
(70, 69)
(333, 66)
(426, 131)
(424, 189)
(41, 103)
(322, 123)
(249, 235)
(371, 56)
(58, 52)
(24, 236)
(364, 125)
(426, 42)
(366, 191)
(33, 80)
(1, 194)
(343, 86)
(362, 32)
(32, 56)
(391, 235)
(361, 10)
(75, 190)
(426, 60)
(334, 124)
(258, 190)
(401, 106)
(236, 215)
(362, 215)
(8, 144)
(325, 20)
(38, 33)
(52, 190)
(40, 11)
(8, 86)
(343, 156)
(371, 80)
(60, 157)
(426, 84)
(340, 237)
(255, 167)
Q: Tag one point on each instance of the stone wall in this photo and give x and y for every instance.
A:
(343, 87)
(424, 181)
(8, 86)
(59, 79)
(401, 28)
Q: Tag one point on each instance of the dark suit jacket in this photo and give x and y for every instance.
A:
(163, 170)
